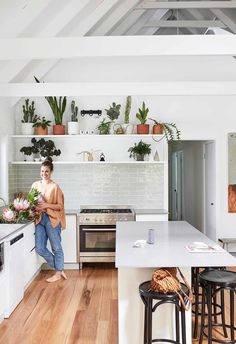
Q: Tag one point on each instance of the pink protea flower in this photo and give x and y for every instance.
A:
(8, 215)
(21, 204)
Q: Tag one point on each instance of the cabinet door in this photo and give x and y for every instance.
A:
(30, 256)
(69, 239)
(3, 288)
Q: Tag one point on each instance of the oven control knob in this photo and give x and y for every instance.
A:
(87, 219)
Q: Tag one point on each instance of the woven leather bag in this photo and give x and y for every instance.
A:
(165, 280)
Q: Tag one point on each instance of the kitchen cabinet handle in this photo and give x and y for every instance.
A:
(32, 249)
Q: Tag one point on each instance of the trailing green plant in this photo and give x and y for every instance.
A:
(170, 130)
(142, 114)
(127, 109)
(42, 122)
(29, 112)
(138, 151)
(45, 148)
(114, 111)
(104, 127)
(74, 112)
(57, 106)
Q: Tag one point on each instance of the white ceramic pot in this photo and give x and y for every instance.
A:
(27, 129)
(73, 128)
(128, 128)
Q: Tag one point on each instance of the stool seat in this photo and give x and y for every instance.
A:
(220, 278)
(214, 282)
(144, 289)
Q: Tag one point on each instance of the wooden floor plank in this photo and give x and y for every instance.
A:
(80, 310)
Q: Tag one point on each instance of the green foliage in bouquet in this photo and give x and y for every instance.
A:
(22, 210)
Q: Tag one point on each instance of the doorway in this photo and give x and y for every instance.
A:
(192, 184)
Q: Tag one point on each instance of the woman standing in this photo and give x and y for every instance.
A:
(51, 221)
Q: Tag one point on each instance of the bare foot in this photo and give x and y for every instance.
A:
(63, 275)
(54, 278)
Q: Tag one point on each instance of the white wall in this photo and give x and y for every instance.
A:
(6, 127)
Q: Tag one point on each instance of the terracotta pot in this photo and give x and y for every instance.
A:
(157, 129)
(58, 129)
(142, 128)
(41, 131)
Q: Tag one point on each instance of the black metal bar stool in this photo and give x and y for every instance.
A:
(148, 297)
(213, 282)
(217, 307)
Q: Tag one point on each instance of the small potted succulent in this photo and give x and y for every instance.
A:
(58, 106)
(29, 118)
(113, 113)
(104, 127)
(41, 126)
(139, 151)
(141, 115)
(73, 127)
(127, 126)
(170, 130)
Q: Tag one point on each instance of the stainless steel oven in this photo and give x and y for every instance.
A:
(97, 232)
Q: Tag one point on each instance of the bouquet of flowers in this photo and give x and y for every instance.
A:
(22, 209)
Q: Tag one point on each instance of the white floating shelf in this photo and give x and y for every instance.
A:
(90, 162)
(82, 136)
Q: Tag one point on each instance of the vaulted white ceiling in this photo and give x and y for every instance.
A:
(78, 18)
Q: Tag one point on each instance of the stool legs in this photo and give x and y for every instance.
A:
(222, 298)
(232, 313)
(149, 322)
(209, 311)
(177, 323)
(183, 325)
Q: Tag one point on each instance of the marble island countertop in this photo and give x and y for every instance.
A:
(169, 248)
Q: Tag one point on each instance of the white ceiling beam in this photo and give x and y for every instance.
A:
(15, 16)
(60, 20)
(186, 4)
(126, 23)
(109, 23)
(91, 19)
(74, 47)
(185, 23)
(225, 19)
(148, 15)
(118, 88)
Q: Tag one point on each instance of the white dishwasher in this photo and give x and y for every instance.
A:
(14, 267)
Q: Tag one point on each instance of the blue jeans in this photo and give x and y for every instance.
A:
(43, 232)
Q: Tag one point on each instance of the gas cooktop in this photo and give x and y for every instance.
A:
(105, 211)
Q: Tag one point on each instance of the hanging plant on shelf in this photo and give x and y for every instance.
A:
(170, 130)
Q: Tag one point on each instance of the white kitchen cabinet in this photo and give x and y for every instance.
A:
(31, 258)
(3, 288)
(69, 239)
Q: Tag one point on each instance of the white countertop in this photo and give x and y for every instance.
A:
(150, 211)
(169, 248)
(7, 229)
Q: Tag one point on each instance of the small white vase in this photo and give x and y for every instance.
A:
(73, 128)
(27, 129)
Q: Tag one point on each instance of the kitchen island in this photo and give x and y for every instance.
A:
(136, 265)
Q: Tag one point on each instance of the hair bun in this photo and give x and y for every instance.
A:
(48, 158)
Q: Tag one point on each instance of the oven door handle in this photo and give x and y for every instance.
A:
(98, 229)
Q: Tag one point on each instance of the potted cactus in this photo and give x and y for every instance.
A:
(73, 127)
(41, 126)
(29, 118)
(142, 128)
(58, 107)
(127, 126)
